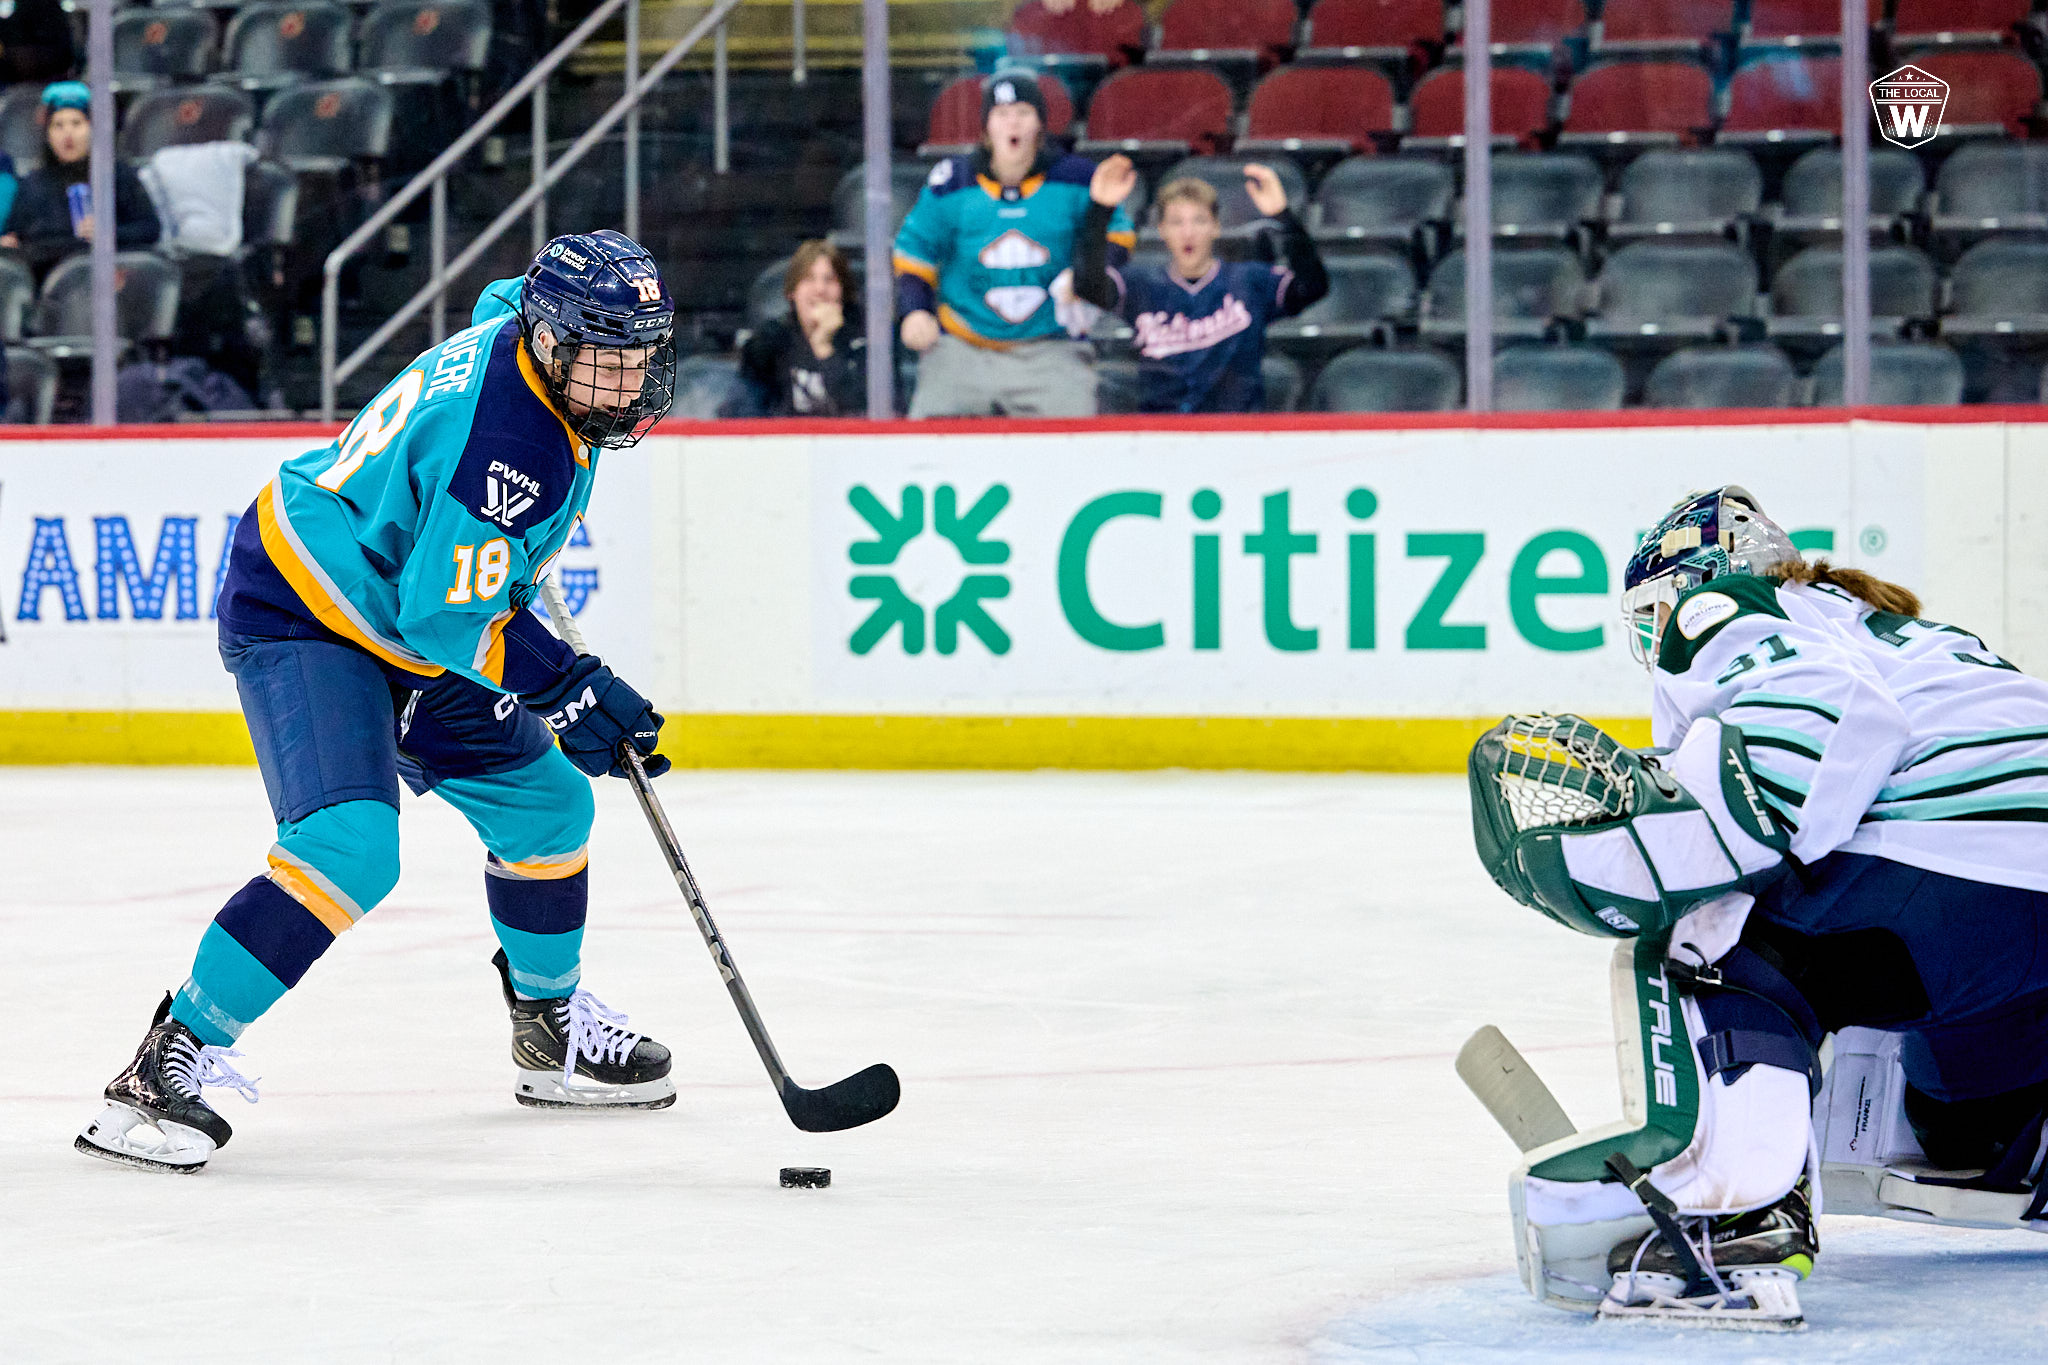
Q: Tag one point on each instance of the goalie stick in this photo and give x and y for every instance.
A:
(862, 1097)
(1511, 1090)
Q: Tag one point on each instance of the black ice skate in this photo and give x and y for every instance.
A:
(156, 1117)
(1741, 1271)
(573, 1053)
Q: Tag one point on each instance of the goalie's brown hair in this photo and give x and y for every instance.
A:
(1866, 586)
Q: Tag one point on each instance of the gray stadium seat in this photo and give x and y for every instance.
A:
(1557, 379)
(17, 296)
(188, 114)
(1652, 293)
(849, 201)
(709, 388)
(270, 205)
(1284, 383)
(1806, 295)
(1722, 377)
(1368, 379)
(153, 47)
(145, 303)
(1116, 386)
(1226, 173)
(328, 126)
(766, 301)
(1811, 198)
(1697, 193)
(21, 125)
(2000, 289)
(1543, 194)
(1531, 285)
(1364, 291)
(278, 42)
(1988, 187)
(1382, 200)
(419, 42)
(31, 387)
(1902, 374)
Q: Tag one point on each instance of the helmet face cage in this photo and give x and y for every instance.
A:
(600, 292)
(1706, 536)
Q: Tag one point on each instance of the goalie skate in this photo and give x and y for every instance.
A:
(1752, 1265)
(573, 1053)
(1757, 1299)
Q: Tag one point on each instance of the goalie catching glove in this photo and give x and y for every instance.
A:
(592, 713)
(1572, 823)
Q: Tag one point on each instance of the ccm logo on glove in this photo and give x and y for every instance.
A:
(592, 713)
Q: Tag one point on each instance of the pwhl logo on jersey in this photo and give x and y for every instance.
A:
(1909, 104)
(508, 493)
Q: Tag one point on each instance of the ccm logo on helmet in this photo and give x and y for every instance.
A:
(573, 712)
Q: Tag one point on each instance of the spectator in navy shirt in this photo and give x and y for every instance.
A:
(1200, 322)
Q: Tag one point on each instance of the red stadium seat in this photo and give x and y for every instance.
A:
(1533, 26)
(1374, 28)
(1159, 111)
(1334, 109)
(956, 114)
(1949, 21)
(1799, 23)
(1663, 25)
(1795, 97)
(1521, 106)
(1263, 26)
(1639, 102)
(1113, 38)
(1986, 89)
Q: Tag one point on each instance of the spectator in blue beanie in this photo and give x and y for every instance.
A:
(47, 222)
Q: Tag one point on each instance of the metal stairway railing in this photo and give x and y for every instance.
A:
(434, 181)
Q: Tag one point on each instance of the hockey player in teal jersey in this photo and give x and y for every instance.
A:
(376, 619)
(982, 262)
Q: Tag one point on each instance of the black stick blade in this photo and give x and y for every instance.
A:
(860, 1098)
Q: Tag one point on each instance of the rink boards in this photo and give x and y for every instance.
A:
(1278, 593)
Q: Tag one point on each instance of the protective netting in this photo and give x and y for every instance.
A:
(1555, 771)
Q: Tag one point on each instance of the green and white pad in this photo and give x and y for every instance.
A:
(1568, 1211)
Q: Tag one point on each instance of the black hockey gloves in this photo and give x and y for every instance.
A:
(592, 712)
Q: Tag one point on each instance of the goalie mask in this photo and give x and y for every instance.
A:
(1706, 536)
(1571, 822)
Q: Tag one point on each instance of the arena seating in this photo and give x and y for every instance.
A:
(1159, 113)
(278, 42)
(1520, 101)
(1703, 192)
(1319, 110)
(1675, 27)
(1777, 99)
(1722, 377)
(1382, 201)
(1557, 379)
(1902, 374)
(1368, 379)
(956, 116)
(1373, 30)
(1532, 287)
(1543, 194)
(1630, 104)
(154, 47)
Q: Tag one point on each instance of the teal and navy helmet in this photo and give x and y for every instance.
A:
(602, 289)
(1710, 534)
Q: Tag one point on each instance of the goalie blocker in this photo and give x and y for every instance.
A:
(1697, 1205)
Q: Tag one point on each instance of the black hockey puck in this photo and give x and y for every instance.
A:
(805, 1177)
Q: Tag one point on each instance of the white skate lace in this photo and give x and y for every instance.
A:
(1704, 1250)
(198, 1067)
(596, 1032)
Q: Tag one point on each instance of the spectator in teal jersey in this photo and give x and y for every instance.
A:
(979, 260)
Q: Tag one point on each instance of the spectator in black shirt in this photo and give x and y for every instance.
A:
(811, 362)
(41, 223)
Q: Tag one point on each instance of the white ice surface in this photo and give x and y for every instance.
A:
(1176, 1052)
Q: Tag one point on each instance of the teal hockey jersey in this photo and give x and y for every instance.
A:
(420, 532)
(987, 253)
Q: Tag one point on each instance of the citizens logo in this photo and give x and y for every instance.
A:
(1908, 104)
(917, 575)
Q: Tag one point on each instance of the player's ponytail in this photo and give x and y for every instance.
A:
(1869, 587)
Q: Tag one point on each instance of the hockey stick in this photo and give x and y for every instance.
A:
(862, 1097)
(1511, 1090)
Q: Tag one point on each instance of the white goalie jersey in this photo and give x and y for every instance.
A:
(1869, 732)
